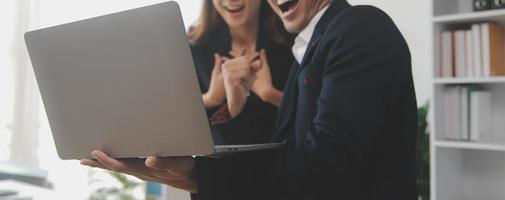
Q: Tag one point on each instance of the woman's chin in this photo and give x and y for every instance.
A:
(236, 22)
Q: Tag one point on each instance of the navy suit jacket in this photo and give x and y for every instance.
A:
(348, 118)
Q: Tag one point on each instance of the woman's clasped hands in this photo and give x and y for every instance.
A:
(233, 78)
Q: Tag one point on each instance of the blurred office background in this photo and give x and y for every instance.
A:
(25, 138)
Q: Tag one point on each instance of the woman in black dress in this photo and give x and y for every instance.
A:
(241, 35)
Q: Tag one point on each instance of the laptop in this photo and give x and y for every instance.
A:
(126, 84)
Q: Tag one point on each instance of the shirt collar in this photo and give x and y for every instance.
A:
(308, 31)
(303, 38)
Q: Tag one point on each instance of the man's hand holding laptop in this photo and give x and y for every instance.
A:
(174, 171)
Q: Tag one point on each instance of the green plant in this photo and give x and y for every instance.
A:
(423, 152)
(123, 189)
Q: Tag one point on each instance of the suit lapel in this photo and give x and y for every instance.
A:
(335, 7)
(287, 110)
(310, 50)
(288, 104)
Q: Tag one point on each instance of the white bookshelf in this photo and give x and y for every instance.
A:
(463, 170)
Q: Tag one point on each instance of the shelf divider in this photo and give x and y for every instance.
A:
(469, 80)
(470, 17)
(470, 145)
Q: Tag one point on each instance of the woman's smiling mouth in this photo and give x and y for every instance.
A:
(234, 9)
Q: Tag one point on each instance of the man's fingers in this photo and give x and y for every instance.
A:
(153, 162)
(161, 163)
(92, 163)
(144, 177)
(173, 171)
(95, 164)
(176, 165)
(109, 162)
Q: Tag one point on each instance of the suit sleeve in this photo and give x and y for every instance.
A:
(240, 176)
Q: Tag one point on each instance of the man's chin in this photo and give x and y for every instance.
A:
(291, 30)
(292, 27)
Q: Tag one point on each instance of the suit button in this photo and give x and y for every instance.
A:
(307, 80)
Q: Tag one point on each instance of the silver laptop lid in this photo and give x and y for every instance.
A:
(123, 83)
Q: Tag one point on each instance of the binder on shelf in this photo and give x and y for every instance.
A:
(469, 54)
(460, 53)
(481, 117)
(467, 112)
(477, 51)
(447, 57)
(493, 51)
(452, 117)
(464, 115)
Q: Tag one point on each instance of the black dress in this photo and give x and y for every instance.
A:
(255, 123)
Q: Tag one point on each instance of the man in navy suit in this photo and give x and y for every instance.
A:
(348, 118)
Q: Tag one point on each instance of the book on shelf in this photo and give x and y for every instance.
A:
(473, 53)
(451, 111)
(447, 65)
(460, 53)
(480, 118)
(469, 54)
(477, 51)
(493, 49)
(467, 112)
(464, 113)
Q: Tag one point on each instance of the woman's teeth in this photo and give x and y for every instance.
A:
(234, 8)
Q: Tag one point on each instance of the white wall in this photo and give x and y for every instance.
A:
(7, 73)
(413, 18)
(55, 12)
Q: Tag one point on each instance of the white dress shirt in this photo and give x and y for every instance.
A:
(303, 38)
